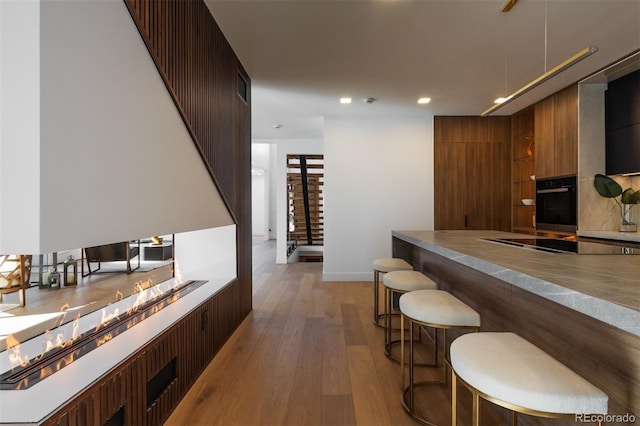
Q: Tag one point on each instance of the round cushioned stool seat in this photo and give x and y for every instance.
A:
(382, 266)
(401, 282)
(441, 311)
(408, 281)
(391, 264)
(438, 307)
(509, 368)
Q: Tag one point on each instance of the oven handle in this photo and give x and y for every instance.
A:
(549, 191)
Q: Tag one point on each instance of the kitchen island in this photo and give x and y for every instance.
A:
(584, 310)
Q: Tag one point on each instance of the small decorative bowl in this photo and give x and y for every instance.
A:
(528, 201)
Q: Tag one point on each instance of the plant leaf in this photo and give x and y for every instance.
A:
(630, 197)
(606, 186)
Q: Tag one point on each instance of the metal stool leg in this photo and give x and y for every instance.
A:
(475, 420)
(376, 297)
(454, 398)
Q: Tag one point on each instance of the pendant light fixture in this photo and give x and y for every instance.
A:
(584, 53)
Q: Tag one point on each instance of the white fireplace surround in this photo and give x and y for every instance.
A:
(92, 147)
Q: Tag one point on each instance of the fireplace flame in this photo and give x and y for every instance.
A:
(60, 346)
(15, 357)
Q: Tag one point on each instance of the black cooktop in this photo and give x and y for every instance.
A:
(555, 245)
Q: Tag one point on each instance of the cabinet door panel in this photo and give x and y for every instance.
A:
(566, 131)
(472, 170)
(499, 187)
(545, 139)
(450, 191)
(478, 185)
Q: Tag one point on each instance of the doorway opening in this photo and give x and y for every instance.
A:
(305, 204)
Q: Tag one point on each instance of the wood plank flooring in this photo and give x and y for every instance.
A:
(308, 354)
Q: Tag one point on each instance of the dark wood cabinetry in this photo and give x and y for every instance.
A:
(471, 156)
(545, 144)
(545, 138)
(565, 129)
(523, 154)
(556, 134)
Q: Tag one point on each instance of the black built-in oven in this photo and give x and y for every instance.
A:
(556, 204)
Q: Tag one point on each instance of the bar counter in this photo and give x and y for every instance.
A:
(584, 310)
(605, 287)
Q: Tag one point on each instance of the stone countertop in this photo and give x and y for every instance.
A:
(605, 287)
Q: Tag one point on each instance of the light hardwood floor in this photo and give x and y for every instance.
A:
(308, 354)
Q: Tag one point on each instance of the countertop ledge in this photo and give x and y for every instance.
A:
(558, 281)
(611, 235)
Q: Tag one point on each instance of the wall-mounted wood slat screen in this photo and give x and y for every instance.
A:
(201, 72)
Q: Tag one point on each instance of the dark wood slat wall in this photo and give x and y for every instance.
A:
(200, 71)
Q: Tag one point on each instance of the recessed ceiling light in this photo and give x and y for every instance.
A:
(345, 100)
(277, 126)
(424, 100)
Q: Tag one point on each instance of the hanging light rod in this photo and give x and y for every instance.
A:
(587, 51)
(508, 5)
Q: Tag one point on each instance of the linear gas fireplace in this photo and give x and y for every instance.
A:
(23, 364)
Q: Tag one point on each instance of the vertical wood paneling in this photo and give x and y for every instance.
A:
(471, 172)
(200, 71)
(566, 131)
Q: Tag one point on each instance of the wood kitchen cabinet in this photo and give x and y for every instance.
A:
(565, 105)
(471, 163)
(523, 155)
(545, 139)
(556, 134)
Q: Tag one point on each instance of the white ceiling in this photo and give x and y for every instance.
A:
(303, 55)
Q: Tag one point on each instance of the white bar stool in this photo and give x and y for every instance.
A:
(437, 309)
(509, 371)
(382, 266)
(400, 282)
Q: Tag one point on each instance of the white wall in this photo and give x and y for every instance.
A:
(116, 161)
(272, 211)
(378, 178)
(260, 162)
(206, 253)
(20, 125)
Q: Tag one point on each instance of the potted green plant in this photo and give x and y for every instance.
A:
(609, 188)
